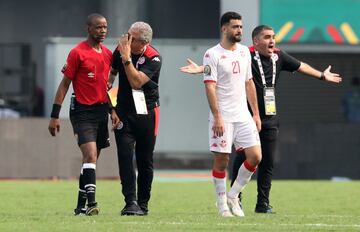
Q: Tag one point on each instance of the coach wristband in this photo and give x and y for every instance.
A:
(55, 111)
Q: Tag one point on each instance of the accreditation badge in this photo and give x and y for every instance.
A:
(140, 102)
(269, 101)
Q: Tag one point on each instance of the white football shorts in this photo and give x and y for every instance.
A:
(241, 134)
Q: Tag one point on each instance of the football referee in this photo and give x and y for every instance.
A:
(87, 67)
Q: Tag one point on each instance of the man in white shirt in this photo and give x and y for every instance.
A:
(229, 85)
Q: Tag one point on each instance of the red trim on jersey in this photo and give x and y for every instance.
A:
(249, 167)
(150, 52)
(220, 175)
(297, 35)
(209, 81)
(335, 35)
(157, 117)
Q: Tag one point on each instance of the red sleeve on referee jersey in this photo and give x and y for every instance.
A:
(71, 65)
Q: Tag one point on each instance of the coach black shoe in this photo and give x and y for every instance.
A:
(132, 209)
(264, 208)
(145, 209)
(79, 211)
(92, 209)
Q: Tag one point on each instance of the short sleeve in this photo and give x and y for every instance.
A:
(289, 63)
(210, 67)
(152, 66)
(72, 63)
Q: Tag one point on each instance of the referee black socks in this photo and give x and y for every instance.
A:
(90, 182)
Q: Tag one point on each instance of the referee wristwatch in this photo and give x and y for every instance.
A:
(127, 62)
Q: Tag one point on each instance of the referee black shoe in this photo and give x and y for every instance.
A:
(264, 208)
(132, 209)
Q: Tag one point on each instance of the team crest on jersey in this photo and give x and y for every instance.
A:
(222, 57)
(155, 59)
(141, 60)
(207, 70)
(64, 67)
(91, 75)
(242, 53)
(275, 57)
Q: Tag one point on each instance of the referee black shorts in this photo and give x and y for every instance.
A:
(90, 123)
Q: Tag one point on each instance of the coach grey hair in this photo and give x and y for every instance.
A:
(144, 30)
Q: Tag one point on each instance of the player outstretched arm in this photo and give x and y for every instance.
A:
(325, 75)
(192, 67)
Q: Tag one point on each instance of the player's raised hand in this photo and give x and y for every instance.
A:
(192, 67)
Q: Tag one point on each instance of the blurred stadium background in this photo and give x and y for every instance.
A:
(316, 140)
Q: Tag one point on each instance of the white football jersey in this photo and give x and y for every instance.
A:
(229, 70)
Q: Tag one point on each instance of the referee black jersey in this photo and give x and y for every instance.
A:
(149, 63)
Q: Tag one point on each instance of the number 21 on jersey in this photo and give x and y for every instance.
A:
(236, 67)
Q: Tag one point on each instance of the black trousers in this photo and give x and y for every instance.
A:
(136, 137)
(268, 138)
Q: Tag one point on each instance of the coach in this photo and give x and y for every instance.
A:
(138, 65)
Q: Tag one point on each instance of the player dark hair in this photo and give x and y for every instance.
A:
(259, 29)
(225, 18)
(91, 17)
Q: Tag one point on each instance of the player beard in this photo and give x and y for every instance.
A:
(235, 39)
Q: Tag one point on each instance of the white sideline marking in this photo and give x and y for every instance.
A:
(318, 216)
(251, 224)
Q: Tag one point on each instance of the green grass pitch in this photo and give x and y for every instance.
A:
(180, 206)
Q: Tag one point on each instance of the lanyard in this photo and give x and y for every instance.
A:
(257, 58)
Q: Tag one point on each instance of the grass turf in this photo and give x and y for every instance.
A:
(180, 206)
